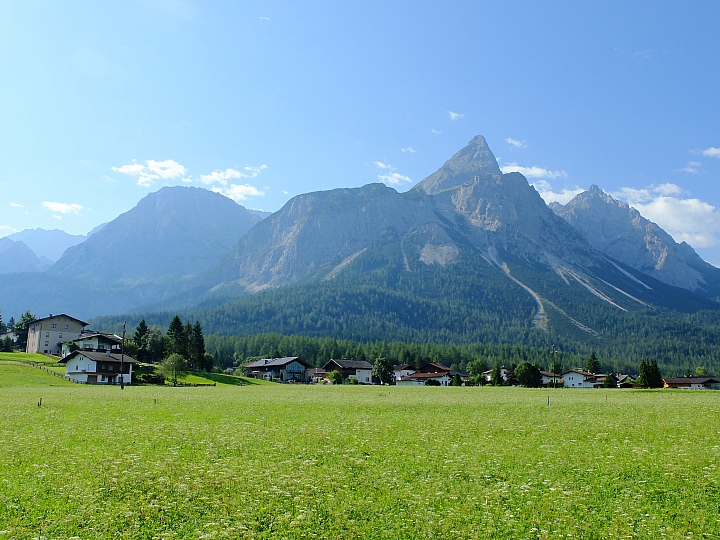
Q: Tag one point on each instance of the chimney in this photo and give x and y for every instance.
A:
(108, 352)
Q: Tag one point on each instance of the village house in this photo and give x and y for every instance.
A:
(549, 377)
(92, 341)
(505, 374)
(403, 370)
(289, 368)
(316, 375)
(577, 378)
(48, 334)
(358, 369)
(99, 368)
(442, 378)
(692, 383)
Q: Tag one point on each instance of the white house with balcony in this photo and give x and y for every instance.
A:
(99, 368)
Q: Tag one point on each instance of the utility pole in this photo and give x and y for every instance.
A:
(122, 359)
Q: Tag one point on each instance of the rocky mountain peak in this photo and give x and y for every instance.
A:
(476, 159)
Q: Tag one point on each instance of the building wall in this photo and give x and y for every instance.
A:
(403, 373)
(81, 366)
(363, 376)
(44, 335)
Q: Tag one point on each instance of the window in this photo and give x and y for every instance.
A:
(46, 344)
(47, 334)
(60, 335)
(66, 327)
(53, 325)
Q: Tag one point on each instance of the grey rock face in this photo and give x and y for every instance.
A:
(475, 159)
(175, 233)
(618, 230)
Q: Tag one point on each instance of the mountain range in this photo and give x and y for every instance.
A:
(467, 254)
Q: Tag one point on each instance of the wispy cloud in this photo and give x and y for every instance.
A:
(436, 132)
(239, 192)
(152, 170)
(8, 228)
(711, 152)
(222, 177)
(533, 172)
(687, 219)
(454, 115)
(16, 205)
(408, 149)
(63, 208)
(516, 143)
(391, 176)
(266, 18)
(548, 193)
(692, 167)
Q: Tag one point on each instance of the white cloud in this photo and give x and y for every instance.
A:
(692, 167)
(532, 172)
(390, 176)
(408, 149)
(394, 178)
(711, 152)
(266, 18)
(454, 115)
(57, 217)
(686, 219)
(8, 228)
(63, 208)
(239, 192)
(285, 193)
(16, 205)
(436, 132)
(152, 170)
(549, 195)
(222, 177)
(516, 143)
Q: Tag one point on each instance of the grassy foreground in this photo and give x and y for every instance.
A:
(283, 461)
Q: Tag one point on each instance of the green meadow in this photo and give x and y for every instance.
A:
(293, 461)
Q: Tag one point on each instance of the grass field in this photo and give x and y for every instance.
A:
(292, 461)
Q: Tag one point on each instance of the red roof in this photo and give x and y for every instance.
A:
(419, 375)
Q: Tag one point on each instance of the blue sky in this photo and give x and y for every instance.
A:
(104, 102)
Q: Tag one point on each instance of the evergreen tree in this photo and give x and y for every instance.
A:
(456, 380)
(642, 373)
(3, 327)
(141, 341)
(496, 377)
(197, 348)
(177, 338)
(609, 381)
(592, 365)
(655, 379)
(156, 345)
(7, 344)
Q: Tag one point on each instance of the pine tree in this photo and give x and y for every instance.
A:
(177, 339)
(141, 340)
(496, 377)
(197, 347)
(609, 381)
(593, 365)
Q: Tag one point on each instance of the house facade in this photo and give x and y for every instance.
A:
(349, 368)
(403, 370)
(441, 378)
(47, 335)
(99, 368)
(289, 368)
(549, 377)
(93, 341)
(505, 374)
(576, 378)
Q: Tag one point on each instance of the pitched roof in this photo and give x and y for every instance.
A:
(424, 375)
(691, 380)
(434, 367)
(581, 372)
(89, 334)
(549, 374)
(100, 357)
(402, 367)
(350, 364)
(83, 323)
(275, 362)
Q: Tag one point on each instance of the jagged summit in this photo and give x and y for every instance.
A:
(476, 159)
(619, 231)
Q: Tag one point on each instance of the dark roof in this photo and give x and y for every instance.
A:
(349, 364)
(99, 335)
(100, 357)
(549, 374)
(691, 380)
(83, 323)
(275, 362)
(581, 372)
(401, 367)
(424, 375)
(434, 367)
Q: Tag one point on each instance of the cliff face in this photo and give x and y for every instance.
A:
(619, 231)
